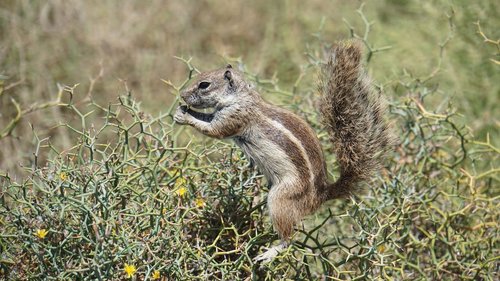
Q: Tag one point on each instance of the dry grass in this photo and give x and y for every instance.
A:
(69, 41)
(114, 182)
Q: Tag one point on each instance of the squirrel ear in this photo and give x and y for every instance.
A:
(229, 66)
(229, 77)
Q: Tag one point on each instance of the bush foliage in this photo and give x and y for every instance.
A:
(135, 196)
(129, 192)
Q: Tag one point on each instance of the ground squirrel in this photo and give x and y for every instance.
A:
(283, 146)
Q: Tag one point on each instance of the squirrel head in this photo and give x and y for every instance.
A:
(218, 89)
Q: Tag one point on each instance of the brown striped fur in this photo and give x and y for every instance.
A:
(283, 146)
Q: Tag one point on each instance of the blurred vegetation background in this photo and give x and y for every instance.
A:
(49, 42)
(96, 182)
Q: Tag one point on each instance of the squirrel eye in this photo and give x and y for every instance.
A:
(203, 85)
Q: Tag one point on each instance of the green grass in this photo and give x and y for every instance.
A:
(115, 182)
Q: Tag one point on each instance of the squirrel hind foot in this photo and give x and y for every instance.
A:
(271, 253)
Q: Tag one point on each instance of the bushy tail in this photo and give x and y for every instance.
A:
(353, 115)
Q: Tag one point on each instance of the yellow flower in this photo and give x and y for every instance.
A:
(156, 275)
(129, 169)
(41, 233)
(199, 202)
(181, 191)
(130, 270)
(441, 154)
(381, 249)
(63, 176)
(180, 182)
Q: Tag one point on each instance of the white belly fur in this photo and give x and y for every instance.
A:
(271, 160)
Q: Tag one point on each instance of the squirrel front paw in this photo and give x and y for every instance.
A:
(181, 115)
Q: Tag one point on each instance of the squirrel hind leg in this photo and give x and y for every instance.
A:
(285, 214)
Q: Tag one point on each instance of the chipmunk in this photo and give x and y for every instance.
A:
(284, 147)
